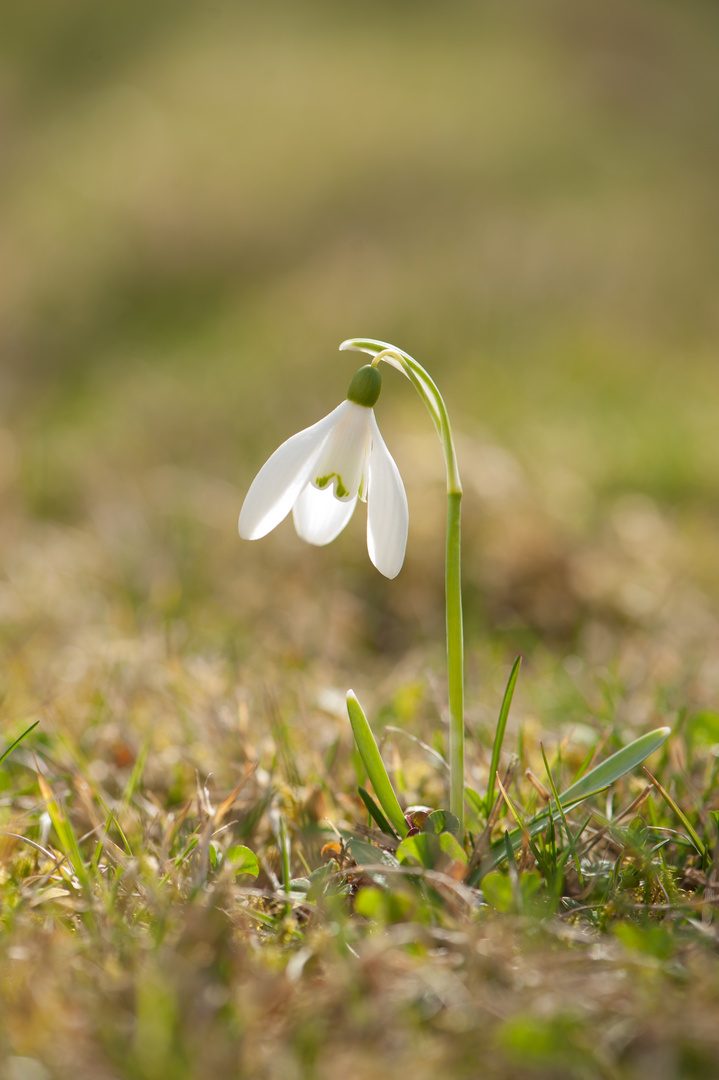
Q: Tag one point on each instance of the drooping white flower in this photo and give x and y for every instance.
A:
(320, 472)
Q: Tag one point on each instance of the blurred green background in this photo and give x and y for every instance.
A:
(199, 202)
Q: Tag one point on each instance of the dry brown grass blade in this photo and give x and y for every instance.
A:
(482, 845)
(226, 805)
(212, 819)
(602, 832)
(538, 786)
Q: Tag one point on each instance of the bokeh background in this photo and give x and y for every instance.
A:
(199, 202)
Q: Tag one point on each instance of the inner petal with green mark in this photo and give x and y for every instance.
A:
(343, 461)
(340, 490)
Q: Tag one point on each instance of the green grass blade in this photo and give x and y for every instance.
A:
(64, 832)
(136, 775)
(112, 820)
(693, 834)
(511, 861)
(558, 801)
(17, 742)
(499, 733)
(375, 813)
(595, 781)
(372, 759)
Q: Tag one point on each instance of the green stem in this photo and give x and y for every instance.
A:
(284, 842)
(455, 656)
(427, 390)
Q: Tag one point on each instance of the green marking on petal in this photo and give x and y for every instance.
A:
(340, 491)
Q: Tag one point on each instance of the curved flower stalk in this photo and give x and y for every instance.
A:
(427, 390)
(321, 472)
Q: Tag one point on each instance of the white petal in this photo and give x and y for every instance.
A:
(282, 477)
(319, 517)
(387, 510)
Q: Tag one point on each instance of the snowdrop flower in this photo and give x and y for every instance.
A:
(320, 473)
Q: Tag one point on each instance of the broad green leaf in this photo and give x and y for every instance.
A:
(450, 846)
(242, 860)
(502, 896)
(369, 903)
(374, 765)
(416, 849)
(655, 941)
(368, 855)
(322, 879)
(441, 821)
(429, 849)
(300, 885)
(384, 906)
(497, 890)
(365, 854)
(703, 728)
(616, 766)
(475, 802)
(547, 1043)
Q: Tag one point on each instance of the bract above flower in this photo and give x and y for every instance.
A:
(319, 474)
